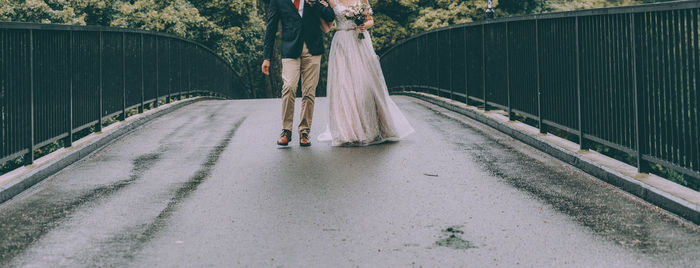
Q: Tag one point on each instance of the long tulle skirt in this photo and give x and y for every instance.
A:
(361, 111)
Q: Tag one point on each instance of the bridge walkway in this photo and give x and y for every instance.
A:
(205, 185)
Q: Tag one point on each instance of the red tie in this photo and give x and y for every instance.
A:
(296, 4)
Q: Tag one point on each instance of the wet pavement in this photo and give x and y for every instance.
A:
(206, 186)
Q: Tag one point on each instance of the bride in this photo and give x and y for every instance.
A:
(361, 111)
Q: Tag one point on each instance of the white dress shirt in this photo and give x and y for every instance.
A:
(301, 7)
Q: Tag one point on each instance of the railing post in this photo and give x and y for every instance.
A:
(510, 105)
(581, 139)
(29, 157)
(483, 65)
(98, 127)
(68, 142)
(122, 117)
(143, 89)
(543, 128)
(640, 127)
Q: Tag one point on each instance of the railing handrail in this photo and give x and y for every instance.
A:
(97, 28)
(662, 6)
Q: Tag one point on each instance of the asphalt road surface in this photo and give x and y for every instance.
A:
(207, 186)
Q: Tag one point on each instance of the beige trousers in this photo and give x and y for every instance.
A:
(309, 66)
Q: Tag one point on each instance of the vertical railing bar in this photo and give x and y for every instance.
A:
(69, 140)
(687, 127)
(581, 141)
(594, 71)
(572, 54)
(679, 103)
(508, 94)
(189, 74)
(29, 157)
(648, 77)
(630, 121)
(122, 117)
(541, 126)
(668, 89)
(640, 130)
(616, 125)
(143, 87)
(618, 102)
(437, 64)
(626, 118)
(654, 92)
(180, 72)
(450, 66)
(4, 125)
(170, 75)
(672, 89)
(483, 66)
(583, 69)
(681, 133)
(665, 90)
(607, 78)
(101, 90)
(692, 73)
(157, 72)
(466, 66)
(693, 39)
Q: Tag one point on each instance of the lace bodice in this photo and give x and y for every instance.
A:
(342, 23)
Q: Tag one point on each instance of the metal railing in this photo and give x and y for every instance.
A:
(56, 80)
(624, 77)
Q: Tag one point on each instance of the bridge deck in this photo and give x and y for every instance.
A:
(205, 185)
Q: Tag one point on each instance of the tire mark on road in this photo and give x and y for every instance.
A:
(141, 236)
(25, 223)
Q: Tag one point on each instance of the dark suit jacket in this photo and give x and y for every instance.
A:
(295, 29)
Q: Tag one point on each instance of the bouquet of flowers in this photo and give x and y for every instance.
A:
(358, 13)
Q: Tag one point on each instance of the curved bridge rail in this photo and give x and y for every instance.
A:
(626, 77)
(56, 80)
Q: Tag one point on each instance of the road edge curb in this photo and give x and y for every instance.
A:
(653, 195)
(42, 171)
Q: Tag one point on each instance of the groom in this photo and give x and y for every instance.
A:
(302, 46)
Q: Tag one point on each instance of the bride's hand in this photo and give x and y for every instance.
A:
(368, 24)
(362, 28)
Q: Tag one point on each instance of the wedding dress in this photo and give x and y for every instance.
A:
(361, 111)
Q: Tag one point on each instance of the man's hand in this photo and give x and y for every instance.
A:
(310, 3)
(266, 66)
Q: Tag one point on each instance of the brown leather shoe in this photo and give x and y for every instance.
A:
(285, 137)
(304, 140)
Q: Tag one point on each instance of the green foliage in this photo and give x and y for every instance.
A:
(178, 17)
(566, 5)
(517, 7)
(398, 19)
(388, 32)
